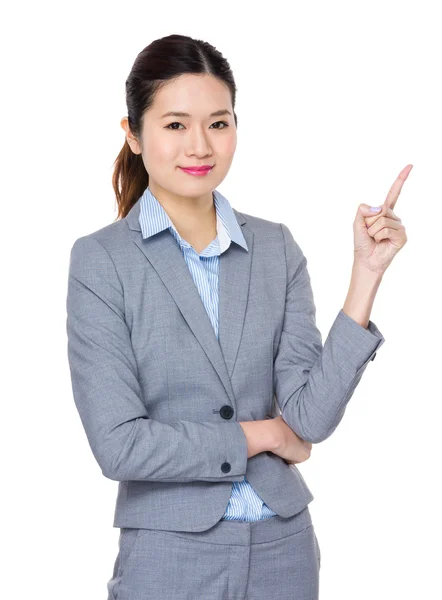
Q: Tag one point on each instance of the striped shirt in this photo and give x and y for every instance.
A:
(244, 503)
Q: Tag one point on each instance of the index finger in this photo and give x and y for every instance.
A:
(396, 188)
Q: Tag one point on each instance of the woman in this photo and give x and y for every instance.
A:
(186, 321)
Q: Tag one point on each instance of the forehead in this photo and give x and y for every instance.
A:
(194, 94)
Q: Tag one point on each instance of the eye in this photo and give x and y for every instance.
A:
(176, 123)
(223, 122)
(170, 125)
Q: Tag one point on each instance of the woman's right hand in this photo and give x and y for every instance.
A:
(289, 446)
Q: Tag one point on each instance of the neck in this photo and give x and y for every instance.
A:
(192, 216)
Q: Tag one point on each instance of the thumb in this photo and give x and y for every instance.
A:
(364, 210)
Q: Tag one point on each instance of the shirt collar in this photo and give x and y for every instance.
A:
(153, 219)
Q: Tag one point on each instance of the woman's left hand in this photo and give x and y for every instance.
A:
(378, 237)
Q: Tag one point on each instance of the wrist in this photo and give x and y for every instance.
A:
(273, 435)
(261, 436)
(360, 268)
(362, 291)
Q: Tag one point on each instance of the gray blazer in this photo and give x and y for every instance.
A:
(160, 399)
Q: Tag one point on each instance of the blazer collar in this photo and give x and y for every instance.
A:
(165, 256)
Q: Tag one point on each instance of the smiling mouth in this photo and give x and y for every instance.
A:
(197, 172)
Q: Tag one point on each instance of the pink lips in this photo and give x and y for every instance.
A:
(197, 170)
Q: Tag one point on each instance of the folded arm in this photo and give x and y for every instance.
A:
(313, 382)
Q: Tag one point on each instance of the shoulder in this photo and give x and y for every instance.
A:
(259, 225)
(109, 239)
(279, 232)
(97, 255)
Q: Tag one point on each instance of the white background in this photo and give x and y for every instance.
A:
(334, 99)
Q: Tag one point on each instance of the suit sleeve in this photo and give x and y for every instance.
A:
(313, 382)
(126, 442)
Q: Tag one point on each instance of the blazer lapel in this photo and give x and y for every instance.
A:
(166, 258)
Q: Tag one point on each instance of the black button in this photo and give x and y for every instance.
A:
(226, 411)
(372, 358)
(225, 467)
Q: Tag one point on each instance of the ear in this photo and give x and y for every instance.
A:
(131, 139)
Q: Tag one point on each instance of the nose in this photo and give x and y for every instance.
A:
(197, 143)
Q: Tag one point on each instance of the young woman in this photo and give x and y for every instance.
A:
(197, 367)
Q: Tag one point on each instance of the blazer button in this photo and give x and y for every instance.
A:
(372, 358)
(226, 411)
(225, 467)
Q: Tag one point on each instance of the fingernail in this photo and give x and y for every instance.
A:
(375, 208)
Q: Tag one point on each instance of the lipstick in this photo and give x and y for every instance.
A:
(198, 171)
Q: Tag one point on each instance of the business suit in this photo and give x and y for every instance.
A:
(160, 397)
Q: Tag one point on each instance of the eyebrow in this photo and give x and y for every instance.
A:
(217, 113)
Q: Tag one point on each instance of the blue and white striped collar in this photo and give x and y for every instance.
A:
(153, 219)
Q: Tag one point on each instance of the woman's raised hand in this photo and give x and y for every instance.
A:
(379, 236)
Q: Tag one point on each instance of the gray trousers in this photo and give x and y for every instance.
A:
(234, 560)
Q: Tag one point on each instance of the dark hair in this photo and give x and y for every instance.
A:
(162, 60)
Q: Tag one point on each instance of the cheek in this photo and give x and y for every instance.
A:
(231, 143)
(161, 150)
(226, 146)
